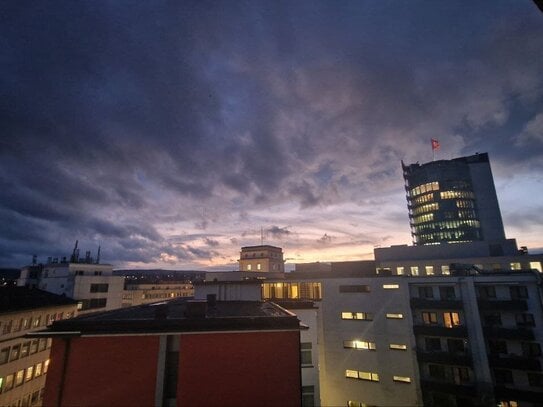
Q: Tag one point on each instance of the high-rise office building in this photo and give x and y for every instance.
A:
(453, 201)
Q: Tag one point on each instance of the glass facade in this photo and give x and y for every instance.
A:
(441, 202)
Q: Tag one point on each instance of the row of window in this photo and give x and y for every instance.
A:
(505, 376)
(358, 344)
(99, 288)
(23, 349)
(92, 303)
(422, 189)
(22, 324)
(445, 292)
(373, 377)
(22, 376)
(448, 225)
(456, 195)
(429, 270)
(495, 319)
(83, 273)
(361, 288)
(529, 349)
(450, 319)
(431, 207)
(516, 292)
(367, 316)
(454, 345)
(445, 270)
(449, 374)
(30, 399)
(292, 291)
(423, 199)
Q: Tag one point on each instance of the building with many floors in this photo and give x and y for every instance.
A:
(24, 361)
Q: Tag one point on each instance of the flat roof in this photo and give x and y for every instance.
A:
(261, 247)
(14, 299)
(180, 315)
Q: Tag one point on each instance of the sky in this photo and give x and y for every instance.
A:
(173, 133)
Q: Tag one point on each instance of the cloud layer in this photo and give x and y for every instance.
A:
(174, 133)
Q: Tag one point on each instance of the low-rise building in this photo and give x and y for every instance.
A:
(180, 352)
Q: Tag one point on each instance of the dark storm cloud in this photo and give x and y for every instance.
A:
(120, 119)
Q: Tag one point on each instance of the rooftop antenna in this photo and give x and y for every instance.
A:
(98, 255)
(75, 253)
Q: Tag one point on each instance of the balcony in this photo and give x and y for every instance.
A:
(437, 330)
(422, 303)
(509, 333)
(511, 361)
(502, 305)
(467, 389)
(505, 393)
(449, 358)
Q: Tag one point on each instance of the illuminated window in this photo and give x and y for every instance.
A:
(373, 377)
(8, 384)
(46, 365)
(397, 346)
(509, 403)
(249, 267)
(399, 271)
(536, 265)
(19, 377)
(429, 318)
(258, 266)
(29, 373)
(38, 371)
(451, 319)
(429, 270)
(402, 379)
(515, 266)
(391, 286)
(351, 373)
(357, 315)
(414, 270)
(394, 316)
(359, 345)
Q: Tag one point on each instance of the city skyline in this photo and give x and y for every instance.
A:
(172, 136)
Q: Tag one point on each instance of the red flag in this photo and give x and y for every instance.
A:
(435, 144)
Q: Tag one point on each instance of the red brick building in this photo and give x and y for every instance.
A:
(180, 353)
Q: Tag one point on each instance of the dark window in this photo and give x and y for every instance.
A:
(93, 303)
(354, 288)
(460, 374)
(432, 344)
(426, 292)
(306, 357)
(531, 349)
(497, 346)
(447, 293)
(518, 292)
(525, 319)
(503, 376)
(492, 319)
(487, 292)
(436, 371)
(4, 355)
(535, 379)
(308, 396)
(15, 352)
(456, 345)
(99, 288)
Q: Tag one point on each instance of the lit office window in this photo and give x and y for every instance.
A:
(391, 286)
(414, 270)
(429, 318)
(429, 270)
(359, 345)
(402, 379)
(515, 266)
(394, 316)
(397, 346)
(445, 270)
(357, 315)
(400, 271)
(451, 319)
(536, 265)
(373, 377)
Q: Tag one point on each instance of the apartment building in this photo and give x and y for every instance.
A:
(24, 361)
